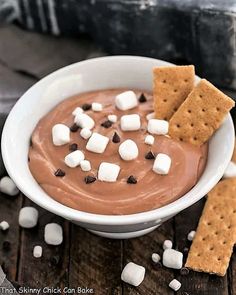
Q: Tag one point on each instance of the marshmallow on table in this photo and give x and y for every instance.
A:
(162, 164)
(77, 111)
(150, 116)
(128, 150)
(96, 107)
(112, 118)
(149, 139)
(85, 133)
(133, 274)
(53, 234)
(60, 134)
(191, 235)
(230, 171)
(130, 122)
(159, 127)
(175, 285)
(172, 259)
(126, 100)
(28, 217)
(38, 251)
(7, 186)
(156, 257)
(73, 159)
(4, 225)
(97, 143)
(84, 121)
(108, 172)
(167, 244)
(85, 165)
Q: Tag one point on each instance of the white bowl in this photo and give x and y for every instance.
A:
(94, 74)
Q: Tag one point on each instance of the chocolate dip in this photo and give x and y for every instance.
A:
(151, 190)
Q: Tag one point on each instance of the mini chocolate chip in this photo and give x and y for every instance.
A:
(149, 156)
(116, 138)
(6, 246)
(142, 98)
(54, 260)
(89, 179)
(184, 271)
(74, 128)
(86, 106)
(28, 159)
(131, 179)
(107, 124)
(59, 173)
(73, 147)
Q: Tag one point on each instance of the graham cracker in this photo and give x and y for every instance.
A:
(201, 114)
(171, 86)
(216, 233)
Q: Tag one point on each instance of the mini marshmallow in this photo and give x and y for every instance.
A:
(38, 251)
(96, 107)
(149, 139)
(130, 122)
(175, 285)
(112, 118)
(84, 121)
(77, 111)
(53, 234)
(7, 186)
(156, 257)
(133, 274)
(167, 244)
(28, 217)
(85, 165)
(126, 100)
(150, 116)
(191, 235)
(73, 159)
(230, 170)
(4, 225)
(172, 259)
(60, 134)
(162, 164)
(85, 133)
(97, 143)
(128, 150)
(159, 127)
(108, 172)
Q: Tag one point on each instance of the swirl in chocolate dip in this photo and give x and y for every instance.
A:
(149, 191)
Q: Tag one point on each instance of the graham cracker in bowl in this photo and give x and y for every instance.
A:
(216, 233)
(171, 86)
(201, 114)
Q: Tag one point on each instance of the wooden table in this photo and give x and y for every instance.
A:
(83, 260)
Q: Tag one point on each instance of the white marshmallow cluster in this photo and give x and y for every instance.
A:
(133, 274)
(77, 111)
(112, 118)
(7, 186)
(97, 143)
(37, 251)
(156, 257)
(167, 244)
(149, 139)
(84, 121)
(172, 259)
(73, 159)
(162, 164)
(53, 234)
(128, 150)
(159, 127)
(108, 172)
(85, 165)
(130, 122)
(175, 285)
(230, 170)
(126, 100)
(85, 133)
(191, 235)
(28, 217)
(60, 134)
(4, 225)
(96, 107)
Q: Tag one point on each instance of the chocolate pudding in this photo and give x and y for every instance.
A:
(137, 188)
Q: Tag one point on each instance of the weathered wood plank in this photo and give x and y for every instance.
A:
(95, 262)
(139, 250)
(52, 268)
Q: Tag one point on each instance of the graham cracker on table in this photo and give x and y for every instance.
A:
(216, 233)
(201, 114)
(171, 86)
